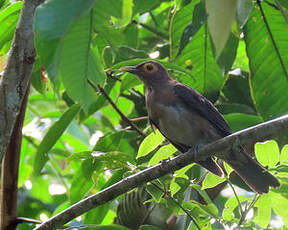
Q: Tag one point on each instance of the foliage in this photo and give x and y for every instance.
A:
(76, 144)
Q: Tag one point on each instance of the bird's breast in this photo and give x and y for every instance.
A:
(181, 125)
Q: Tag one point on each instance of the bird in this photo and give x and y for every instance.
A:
(188, 120)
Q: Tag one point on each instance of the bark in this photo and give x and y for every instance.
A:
(15, 79)
(9, 175)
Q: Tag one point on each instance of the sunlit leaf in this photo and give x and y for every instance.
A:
(267, 153)
(279, 206)
(212, 180)
(264, 210)
(150, 143)
(8, 19)
(230, 205)
(284, 154)
(52, 136)
(163, 153)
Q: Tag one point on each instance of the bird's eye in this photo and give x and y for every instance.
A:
(150, 67)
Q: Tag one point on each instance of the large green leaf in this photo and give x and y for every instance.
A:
(199, 18)
(51, 137)
(264, 210)
(150, 143)
(221, 14)
(82, 181)
(198, 53)
(197, 56)
(239, 121)
(80, 61)
(180, 21)
(267, 44)
(52, 20)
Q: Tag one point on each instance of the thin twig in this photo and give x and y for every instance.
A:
(152, 30)
(21, 220)
(137, 119)
(237, 198)
(178, 204)
(126, 119)
(243, 216)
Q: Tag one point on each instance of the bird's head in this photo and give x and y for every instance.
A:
(149, 72)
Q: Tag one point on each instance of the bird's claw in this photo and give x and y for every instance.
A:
(164, 160)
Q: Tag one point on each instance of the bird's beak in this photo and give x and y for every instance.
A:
(130, 69)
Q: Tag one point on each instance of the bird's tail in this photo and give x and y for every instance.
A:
(251, 172)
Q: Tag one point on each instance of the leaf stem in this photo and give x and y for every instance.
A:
(237, 198)
(243, 216)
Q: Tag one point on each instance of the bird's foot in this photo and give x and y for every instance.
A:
(164, 160)
(197, 155)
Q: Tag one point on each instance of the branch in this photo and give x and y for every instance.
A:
(9, 173)
(223, 146)
(126, 119)
(17, 72)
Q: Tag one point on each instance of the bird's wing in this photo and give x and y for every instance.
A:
(197, 103)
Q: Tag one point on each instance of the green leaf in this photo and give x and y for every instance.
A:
(198, 19)
(80, 61)
(51, 23)
(149, 227)
(237, 90)
(8, 20)
(54, 17)
(174, 187)
(227, 56)
(284, 3)
(108, 227)
(211, 181)
(267, 153)
(264, 210)
(210, 209)
(198, 56)
(182, 172)
(269, 75)
(284, 155)
(244, 8)
(228, 169)
(177, 181)
(230, 205)
(279, 206)
(239, 121)
(82, 181)
(163, 153)
(180, 21)
(127, 6)
(52, 136)
(150, 143)
(129, 81)
(221, 14)
(156, 193)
